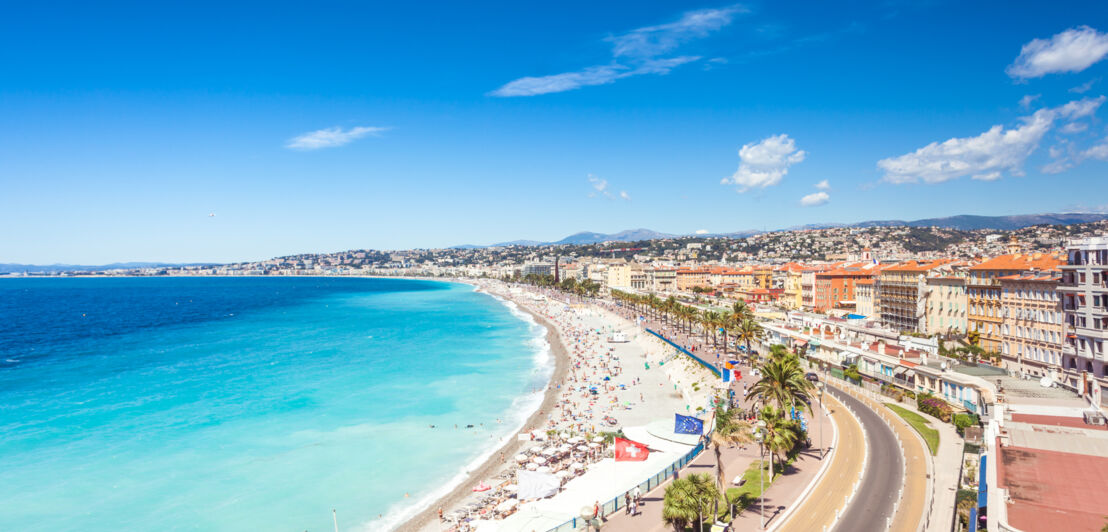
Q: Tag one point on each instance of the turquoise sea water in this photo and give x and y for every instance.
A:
(250, 404)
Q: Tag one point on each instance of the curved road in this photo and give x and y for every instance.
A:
(884, 475)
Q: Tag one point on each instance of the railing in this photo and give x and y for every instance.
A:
(710, 367)
(613, 505)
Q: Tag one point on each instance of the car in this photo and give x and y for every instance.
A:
(811, 376)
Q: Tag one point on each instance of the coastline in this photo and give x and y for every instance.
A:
(428, 517)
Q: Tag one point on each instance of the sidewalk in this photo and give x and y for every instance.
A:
(947, 466)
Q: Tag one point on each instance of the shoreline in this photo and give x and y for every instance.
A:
(428, 517)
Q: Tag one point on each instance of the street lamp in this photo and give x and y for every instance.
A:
(759, 434)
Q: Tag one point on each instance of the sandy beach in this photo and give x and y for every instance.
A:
(636, 382)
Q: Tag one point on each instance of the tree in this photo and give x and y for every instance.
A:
(781, 435)
(729, 431)
(748, 331)
(782, 382)
(686, 499)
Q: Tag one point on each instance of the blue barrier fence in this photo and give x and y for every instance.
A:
(645, 486)
(710, 367)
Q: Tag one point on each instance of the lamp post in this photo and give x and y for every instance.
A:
(759, 434)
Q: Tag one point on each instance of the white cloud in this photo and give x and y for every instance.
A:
(993, 151)
(634, 53)
(600, 187)
(652, 41)
(1025, 102)
(1073, 127)
(1072, 50)
(823, 185)
(1081, 108)
(701, 231)
(814, 199)
(765, 162)
(1085, 87)
(331, 137)
(1098, 151)
(989, 176)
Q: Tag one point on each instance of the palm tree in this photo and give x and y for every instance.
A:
(710, 321)
(782, 382)
(729, 431)
(686, 499)
(748, 331)
(781, 435)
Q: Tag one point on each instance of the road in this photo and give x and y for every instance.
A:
(884, 476)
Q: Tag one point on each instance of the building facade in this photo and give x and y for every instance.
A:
(1032, 323)
(946, 305)
(1084, 291)
(984, 292)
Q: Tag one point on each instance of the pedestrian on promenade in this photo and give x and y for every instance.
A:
(627, 502)
(638, 495)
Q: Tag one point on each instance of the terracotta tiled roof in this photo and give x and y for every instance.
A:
(1020, 261)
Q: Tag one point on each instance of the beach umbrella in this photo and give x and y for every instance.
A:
(562, 474)
(550, 451)
(522, 458)
(598, 439)
(543, 469)
(594, 445)
(539, 460)
(535, 448)
(576, 439)
(582, 448)
(507, 505)
(531, 466)
(565, 447)
(511, 488)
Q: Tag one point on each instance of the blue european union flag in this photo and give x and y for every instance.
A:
(688, 425)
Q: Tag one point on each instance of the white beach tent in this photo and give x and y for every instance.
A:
(534, 485)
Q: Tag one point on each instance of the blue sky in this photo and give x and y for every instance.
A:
(308, 128)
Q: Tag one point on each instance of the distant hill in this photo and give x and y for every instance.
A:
(57, 268)
(963, 222)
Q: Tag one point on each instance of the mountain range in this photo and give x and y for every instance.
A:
(55, 268)
(964, 222)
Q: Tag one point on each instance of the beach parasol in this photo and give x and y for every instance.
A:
(582, 448)
(531, 466)
(576, 439)
(507, 505)
(565, 447)
(549, 451)
(522, 458)
(543, 469)
(539, 460)
(598, 439)
(594, 445)
(562, 474)
(511, 487)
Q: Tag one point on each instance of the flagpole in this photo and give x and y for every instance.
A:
(335, 517)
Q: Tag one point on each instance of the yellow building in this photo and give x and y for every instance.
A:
(984, 292)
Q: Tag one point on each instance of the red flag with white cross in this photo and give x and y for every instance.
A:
(630, 451)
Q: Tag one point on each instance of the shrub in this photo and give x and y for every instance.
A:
(935, 407)
(961, 421)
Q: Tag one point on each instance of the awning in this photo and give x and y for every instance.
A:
(982, 499)
(815, 343)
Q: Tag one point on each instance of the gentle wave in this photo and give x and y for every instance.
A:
(522, 407)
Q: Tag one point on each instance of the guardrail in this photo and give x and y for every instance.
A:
(645, 486)
(710, 367)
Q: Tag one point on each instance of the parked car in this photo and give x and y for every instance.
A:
(811, 376)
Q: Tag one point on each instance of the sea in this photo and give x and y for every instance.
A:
(252, 404)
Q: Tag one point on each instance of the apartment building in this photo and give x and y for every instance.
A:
(687, 278)
(1032, 323)
(663, 279)
(865, 297)
(902, 289)
(1084, 291)
(836, 287)
(984, 291)
(946, 305)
